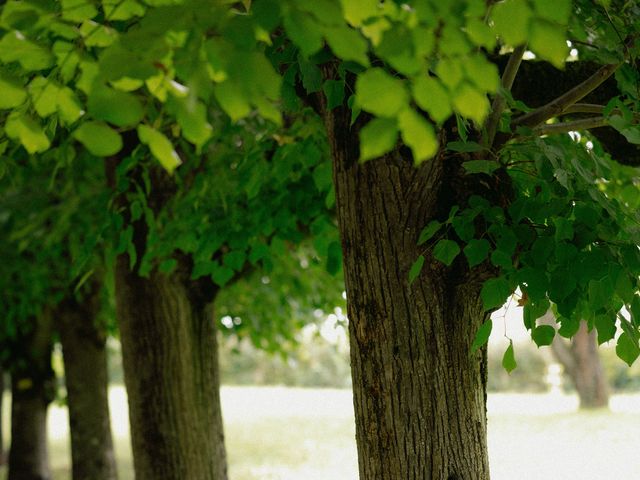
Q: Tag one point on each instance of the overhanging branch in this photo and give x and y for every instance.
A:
(560, 104)
(499, 102)
(575, 125)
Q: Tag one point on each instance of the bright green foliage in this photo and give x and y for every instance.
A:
(416, 268)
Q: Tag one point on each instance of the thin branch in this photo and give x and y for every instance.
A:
(584, 108)
(563, 102)
(575, 125)
(499, 102)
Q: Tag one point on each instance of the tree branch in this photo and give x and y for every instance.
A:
(499, 102)
(564, 127)
(560, 104)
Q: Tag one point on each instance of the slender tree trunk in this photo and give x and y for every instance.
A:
(582, 363)
(169, 351)
(419, 395)
(3, 456)
(85, 365)
(32, 386)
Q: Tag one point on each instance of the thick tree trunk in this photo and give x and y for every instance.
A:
(85, 365)
(169, 351)
(32, 386)
(419, 395)
(582, 363)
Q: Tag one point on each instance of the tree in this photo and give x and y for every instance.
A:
(582, 364)
(446, 202)
(50, 225)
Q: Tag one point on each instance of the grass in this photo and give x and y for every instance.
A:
(278, 433)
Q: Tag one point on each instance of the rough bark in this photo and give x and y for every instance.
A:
(581, 362)
(85, 364)
(419, 396)
(32, 386)
(169, 351)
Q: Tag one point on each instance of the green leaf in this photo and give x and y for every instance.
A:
(122, 9)
(78, 10)
(509, 358)
(549, 41)
(160, 147)
(378, 137)
(356, 11)
(416, 268)
(476, 251)
(13, 93)
(471, 103)
(481, 166)
(432, 97)
(119, 108)
(379, 93)
(482, 73)
(482, 337)
(168, 265)
(221, 274)
(28, 132)
(606, 327)
(232, 99)
(100, 139)
(347, 44)
(303, 31)
(418, 134)
(15, 47)
(543, 335)
(446, 251)
(334, 91)
(568, 326)
(429, 231)
(557, 11)
(465, 147)
(511, 21)
(627, 349)
(495, 292)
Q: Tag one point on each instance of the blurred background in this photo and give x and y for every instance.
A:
(288, 413)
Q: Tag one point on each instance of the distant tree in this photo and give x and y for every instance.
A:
(582, 364)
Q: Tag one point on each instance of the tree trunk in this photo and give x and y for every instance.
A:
(582, 363)
(85, 366)
(3, 456)
(169, 351)
(419, 395)
(32, 388)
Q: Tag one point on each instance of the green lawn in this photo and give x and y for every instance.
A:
(290, 434)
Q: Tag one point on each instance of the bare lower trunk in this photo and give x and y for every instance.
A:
(419, 395)
(3, 456)
(85, 365)
(582, 363)
(169, 351)
(32, 385)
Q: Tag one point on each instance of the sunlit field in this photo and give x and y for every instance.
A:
(278, 433)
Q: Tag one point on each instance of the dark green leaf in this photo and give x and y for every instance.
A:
(416, 268)
(543, 335)
(495, 292)
(509, 359)
(482, 337)
(476, 251)
(627, 349)
(429, 231)
(446, 251)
